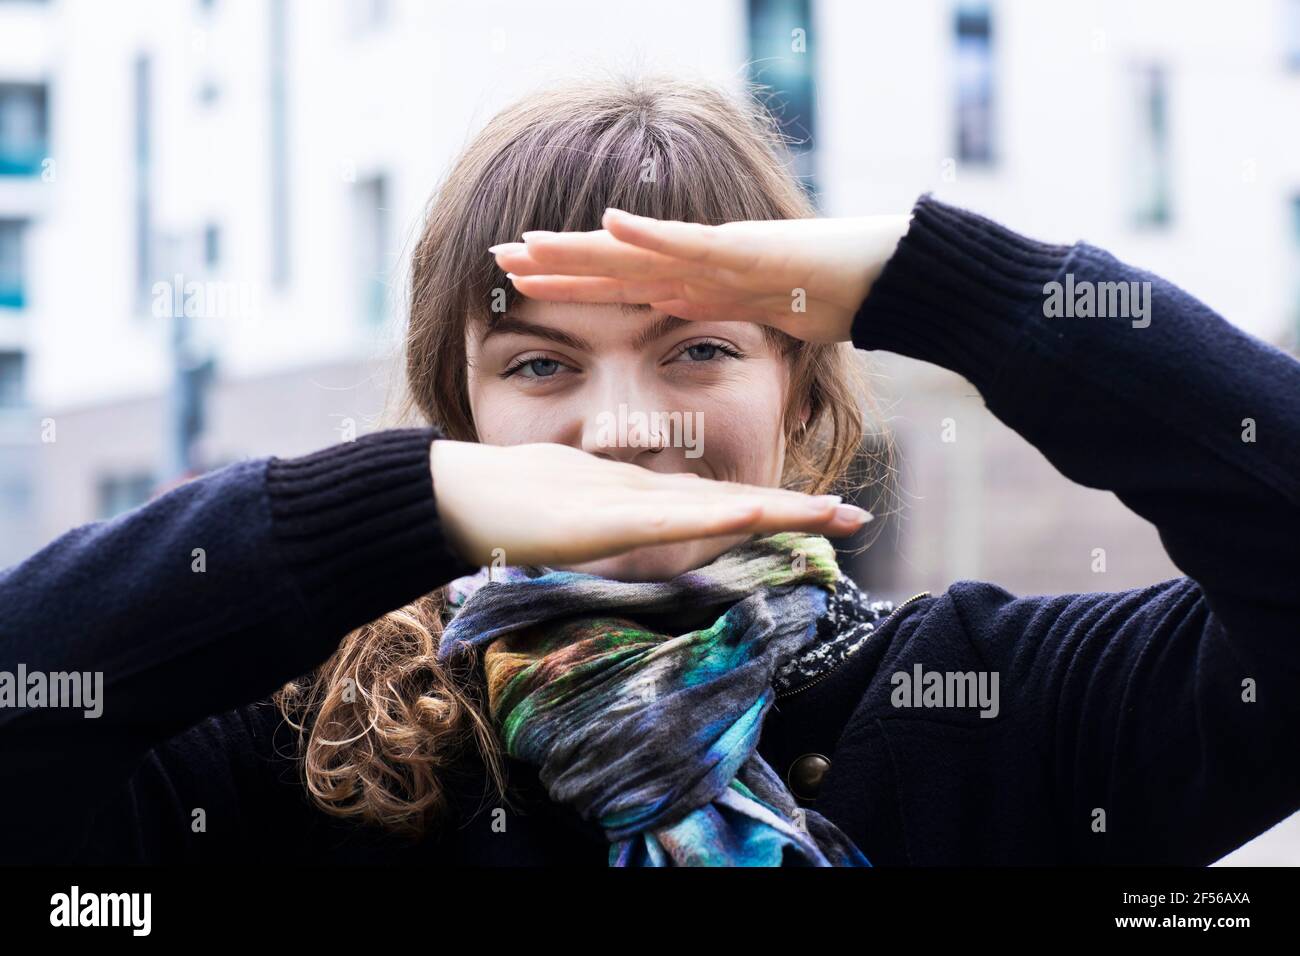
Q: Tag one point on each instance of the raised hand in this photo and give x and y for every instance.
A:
(550, 504)
(806, 277)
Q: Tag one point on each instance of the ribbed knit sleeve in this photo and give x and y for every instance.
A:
(357, 525)
(956, 291)
(206, 599)
(1153, 704)
(1180, 413)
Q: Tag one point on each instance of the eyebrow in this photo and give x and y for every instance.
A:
(509, 324)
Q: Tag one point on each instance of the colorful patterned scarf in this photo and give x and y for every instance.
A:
(651, 732)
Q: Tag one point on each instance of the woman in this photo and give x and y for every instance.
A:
(667, 667)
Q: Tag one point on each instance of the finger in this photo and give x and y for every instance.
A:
(845, 519)
(679, 494)
(811, 514)
(669, 496)
(630, 526)
(563, 288)
(617, 529)
(688, 521)
(712, 486)
(587, 253)
(690, 241)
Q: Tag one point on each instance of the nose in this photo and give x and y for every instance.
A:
(625, 425)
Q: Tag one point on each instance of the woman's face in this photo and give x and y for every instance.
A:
(637, 386)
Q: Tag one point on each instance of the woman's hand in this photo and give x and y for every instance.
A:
(548, 504)
(806, 277)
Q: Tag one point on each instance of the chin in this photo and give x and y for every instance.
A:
(659, 562)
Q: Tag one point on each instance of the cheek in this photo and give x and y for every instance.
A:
(502, 416)
(742, 432)
(495, 415)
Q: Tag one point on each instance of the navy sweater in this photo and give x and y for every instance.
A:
(1152, 725)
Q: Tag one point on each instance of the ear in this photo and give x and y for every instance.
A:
(805, 413)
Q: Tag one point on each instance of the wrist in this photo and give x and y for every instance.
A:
(357, 527)
(870, 247)
(959, 291)
(443, 466)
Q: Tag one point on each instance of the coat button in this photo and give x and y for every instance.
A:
(806, 775)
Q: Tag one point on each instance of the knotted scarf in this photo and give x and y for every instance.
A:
(648, 728)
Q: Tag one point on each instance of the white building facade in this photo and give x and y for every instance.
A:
(266, 164)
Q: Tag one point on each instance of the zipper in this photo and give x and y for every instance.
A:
(817, 680)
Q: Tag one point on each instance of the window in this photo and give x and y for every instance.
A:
(143, 141)
(278, 160)
(211, 245)
(12, 365)
(23, 125)
(208, 90)
(1151, 176)
(1291, 33)
(781, 59)
(973, 26)
(12, 292)
(120, 493)
(371, 215)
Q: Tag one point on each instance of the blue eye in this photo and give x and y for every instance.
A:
(707, 351)
(538, 367)
(542, 368)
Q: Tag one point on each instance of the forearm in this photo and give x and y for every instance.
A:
(1152, 407)
(1151, 704)
(208, 598)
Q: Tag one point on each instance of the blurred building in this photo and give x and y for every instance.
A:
(203, 197)
(207, 208)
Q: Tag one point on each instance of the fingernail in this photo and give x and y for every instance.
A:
(853, 514)
(829, 499)
(534, 233)
(499, 246)
(511, 276)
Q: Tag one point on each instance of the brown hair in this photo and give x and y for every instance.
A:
(388, 718)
